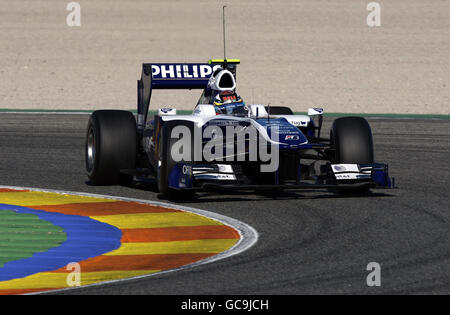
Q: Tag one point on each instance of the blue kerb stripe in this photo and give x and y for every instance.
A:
(86, 238)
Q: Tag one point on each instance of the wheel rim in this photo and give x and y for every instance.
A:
(90, 150)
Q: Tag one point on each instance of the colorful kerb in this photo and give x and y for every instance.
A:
(42, 232)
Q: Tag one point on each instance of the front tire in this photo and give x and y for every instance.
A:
(351, 139)
(110, 146)
(166, 162)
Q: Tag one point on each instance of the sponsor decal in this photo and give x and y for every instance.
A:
(224, 168)
(349, 171)
(339, 168)
(291, 137)
(182, 71)
(346, 168)
(352, 176)
(297, 123)
(215, 176)
(187, 170)
(225, 122)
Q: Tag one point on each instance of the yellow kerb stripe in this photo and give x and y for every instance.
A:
(177, 247)
(155, 220)
(35, 198)
(59, 280)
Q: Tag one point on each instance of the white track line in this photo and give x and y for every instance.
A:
(248, 235)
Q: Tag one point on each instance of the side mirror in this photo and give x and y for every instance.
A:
(315, 111)
(319, 113)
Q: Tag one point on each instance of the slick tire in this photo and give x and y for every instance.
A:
(166, 161)
(279, 110)
(111, 143)
(351, 139)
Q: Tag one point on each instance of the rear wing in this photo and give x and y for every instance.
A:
(172, 76)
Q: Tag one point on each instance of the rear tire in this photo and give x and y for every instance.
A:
(110, 146)
(351, 138)
(279, 110)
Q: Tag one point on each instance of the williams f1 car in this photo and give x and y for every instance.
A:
(227, 144)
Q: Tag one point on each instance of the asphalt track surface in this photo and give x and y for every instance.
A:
(309, 242)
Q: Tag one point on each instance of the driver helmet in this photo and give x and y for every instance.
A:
(230, 103)
(227, 97)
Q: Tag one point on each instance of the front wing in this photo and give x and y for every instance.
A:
(229, 177)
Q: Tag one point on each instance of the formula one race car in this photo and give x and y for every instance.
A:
(227, 144)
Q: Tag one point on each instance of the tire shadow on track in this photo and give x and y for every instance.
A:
(261, 196)
(251, 196)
